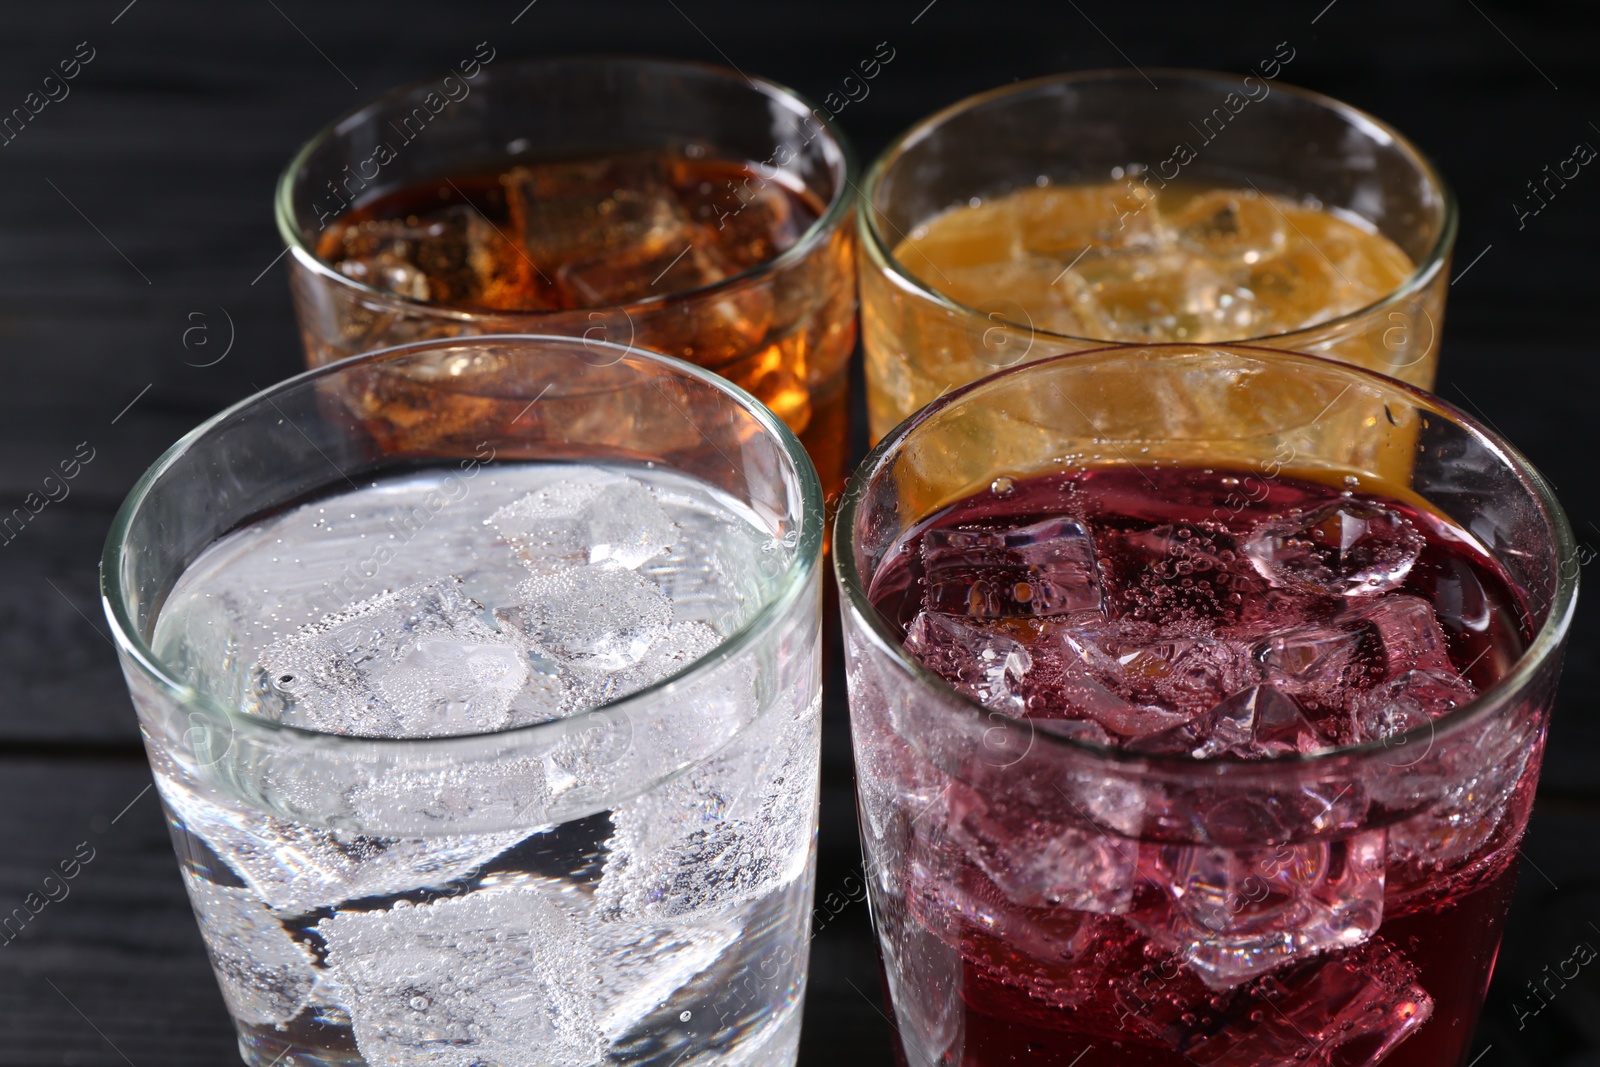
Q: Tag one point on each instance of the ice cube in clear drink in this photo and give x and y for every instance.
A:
(296, 868)
(728, 830)
(417, 662)
(266, 976)
(498, 975)
(599, 617)
(569, 523)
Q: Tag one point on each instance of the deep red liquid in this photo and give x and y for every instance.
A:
(1441, 923)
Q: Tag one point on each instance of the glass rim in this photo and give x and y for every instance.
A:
(132, 645)
(877, 246)
(1545, 643)
(828, 221)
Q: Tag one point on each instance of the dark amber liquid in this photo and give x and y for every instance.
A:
(665, 242)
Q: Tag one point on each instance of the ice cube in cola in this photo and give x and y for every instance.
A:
(616, 231)
(1151, 610)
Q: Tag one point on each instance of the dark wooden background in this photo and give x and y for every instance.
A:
(135, 225)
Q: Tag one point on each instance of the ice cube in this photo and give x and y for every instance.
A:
(751, 224)
(457, 257)
(1413, 699)
(1258, 722)
(1083, 696)
(1046, 568)
(1342, 548)
(681, 645)
(1032, 293)
(733, 827)
(1232, 226)
(266, 976)
(640, 965)
(569, 523)
(688, 259)
(1407, 632)
(600, 617)
(417, 662)
(1060, 221)
(1346, 1011)
(1169, 294)
(1233, 914)
(986, 665)
(955, 899)
(1319, 665)
(297, 868)
(499, 975)
(1140, 663)
(1487, 798)
(612, 232)
(1042, 862)
(591, 761)
(1297, 288)
(566, 211)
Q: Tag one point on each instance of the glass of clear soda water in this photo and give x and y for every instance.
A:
(480, 681)
(1198, 697)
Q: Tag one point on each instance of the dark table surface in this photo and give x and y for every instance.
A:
(141, 290)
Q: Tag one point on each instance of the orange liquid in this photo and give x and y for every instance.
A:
(1117, 263)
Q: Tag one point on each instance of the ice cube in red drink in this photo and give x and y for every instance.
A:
(1148, 610)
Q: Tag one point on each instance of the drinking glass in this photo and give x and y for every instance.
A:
(1164, 133)
(1332, 907)
(627, 881)
(782, 329)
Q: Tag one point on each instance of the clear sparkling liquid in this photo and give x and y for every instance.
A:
(669, 928)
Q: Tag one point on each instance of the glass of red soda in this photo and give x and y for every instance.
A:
(1198, 698)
